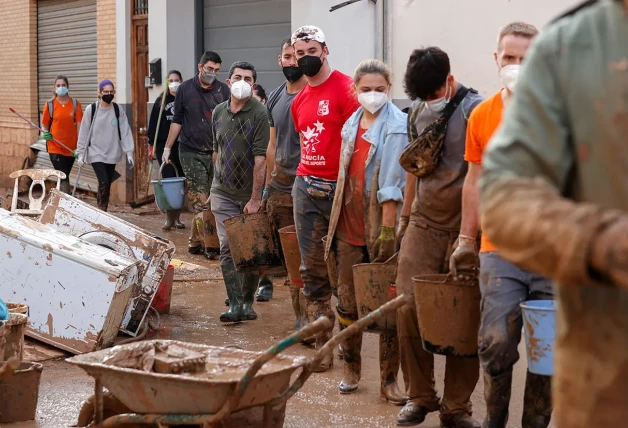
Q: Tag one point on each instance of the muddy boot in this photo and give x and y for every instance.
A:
(65, 187)
(537, 401)
(169, 224)
(352, 364)
(177, 219)
(497, 396)
(294, 298)
(265, 290)
(340, 351)
(389, 362)
(458, 420)
(315, 310)
(234, 291)
(249, 285)
(305, 320)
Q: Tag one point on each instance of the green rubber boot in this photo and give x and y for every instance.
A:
(233, 283)
(249, 285)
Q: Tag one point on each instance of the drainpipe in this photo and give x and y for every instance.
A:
(387, 36)
(380, 30)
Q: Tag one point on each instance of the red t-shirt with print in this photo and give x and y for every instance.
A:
(319, 112)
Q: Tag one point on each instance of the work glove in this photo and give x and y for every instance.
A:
(46, 135)
(463, 263)
(81, 161)
(151, 157)
(401, 228)
(609, 250)
(129, 159)
(385, 246)
(75, 154)
(166, 156)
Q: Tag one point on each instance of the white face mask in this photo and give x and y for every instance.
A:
(174, 86)
(241, 89)
(373, 101)
(509, 75)
(436, 106)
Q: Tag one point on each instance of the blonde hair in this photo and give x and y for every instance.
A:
(372, 66)
(517, 28)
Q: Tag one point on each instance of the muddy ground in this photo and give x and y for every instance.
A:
(197, 302)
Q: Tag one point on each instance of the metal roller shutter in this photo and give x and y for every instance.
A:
(66, 44)
(242, 30)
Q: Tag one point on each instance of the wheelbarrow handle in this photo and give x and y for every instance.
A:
(232, 403)
(360, 325)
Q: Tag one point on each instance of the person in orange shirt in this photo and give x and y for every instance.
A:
(503, 285)
(62, 118)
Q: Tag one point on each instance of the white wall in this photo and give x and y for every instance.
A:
(351, 32)
(171, 37)
(123, 52)
(466, 30)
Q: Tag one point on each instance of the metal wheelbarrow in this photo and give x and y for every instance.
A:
(252, 386)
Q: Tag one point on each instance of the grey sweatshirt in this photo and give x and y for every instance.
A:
(105, 145)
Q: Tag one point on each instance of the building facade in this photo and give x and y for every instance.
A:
(90, 40)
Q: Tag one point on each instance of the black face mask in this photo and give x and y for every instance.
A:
(310, 65)
(292, 73)
(107, 98)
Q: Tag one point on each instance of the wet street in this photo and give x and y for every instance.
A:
(198, 300)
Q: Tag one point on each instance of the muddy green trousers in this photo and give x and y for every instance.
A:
(199, 171)
(425, 250)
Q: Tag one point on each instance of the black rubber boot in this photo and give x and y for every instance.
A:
(234, 291)
(265, 289)
(537, 401)
(249, 285)
(169, 224)
(177, 220)
(497, 396)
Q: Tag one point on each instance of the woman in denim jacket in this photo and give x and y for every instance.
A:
(368, 198)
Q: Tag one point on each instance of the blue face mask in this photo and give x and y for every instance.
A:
(61, 91)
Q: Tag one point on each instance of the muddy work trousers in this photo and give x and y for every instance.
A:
(424, 251)
(199, 171)
(104, 173)
(504, 286)
(311, 218)
(280, 213)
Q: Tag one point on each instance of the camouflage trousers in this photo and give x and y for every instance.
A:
(199, 171)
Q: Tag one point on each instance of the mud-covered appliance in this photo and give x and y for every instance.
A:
(77, 292)
(70, 215)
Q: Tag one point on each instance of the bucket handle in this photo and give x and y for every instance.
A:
(161, 169)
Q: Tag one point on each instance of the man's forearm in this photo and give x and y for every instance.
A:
(270, 160)
(389, 213)
(471, 202)
(410, 193)
(259, 174)
(173, 134)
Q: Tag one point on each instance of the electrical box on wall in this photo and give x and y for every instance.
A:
(154, 72)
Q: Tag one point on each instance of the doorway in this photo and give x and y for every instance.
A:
(139, 70)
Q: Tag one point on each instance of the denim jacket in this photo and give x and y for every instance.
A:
(384, 178)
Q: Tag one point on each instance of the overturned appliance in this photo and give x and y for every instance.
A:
(77, 291)
(72, 216)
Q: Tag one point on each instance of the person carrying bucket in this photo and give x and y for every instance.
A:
(554, 200)
(62, 115)
(503, 285)
(240, 135)
(370, 191)
(104, 139)
(157, 140)
(433, 202)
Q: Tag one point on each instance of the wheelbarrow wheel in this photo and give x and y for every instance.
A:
(111, 407)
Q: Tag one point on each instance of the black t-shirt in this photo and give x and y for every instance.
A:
(164, 125)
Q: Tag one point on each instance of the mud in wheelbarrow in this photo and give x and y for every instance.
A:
(234, 382)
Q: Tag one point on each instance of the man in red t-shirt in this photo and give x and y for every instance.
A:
(319, 111)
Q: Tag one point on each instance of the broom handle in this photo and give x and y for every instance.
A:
(31, 123)
(161, 111)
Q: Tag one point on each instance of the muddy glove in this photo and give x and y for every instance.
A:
(463, 263)
(129, 159)
(609, 250)
(401, 228)
(46, 135)
(166, 156)
(385, 246)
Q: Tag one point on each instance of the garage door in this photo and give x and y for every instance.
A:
(242, 30)
(66, 44)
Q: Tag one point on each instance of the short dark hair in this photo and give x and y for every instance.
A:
(244, 66)
(259, 90)
(284, 42)
(426, 72)
(177, 72)
(210, 56)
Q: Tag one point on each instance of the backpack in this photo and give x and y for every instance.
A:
(116, 109)
(51, 110)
